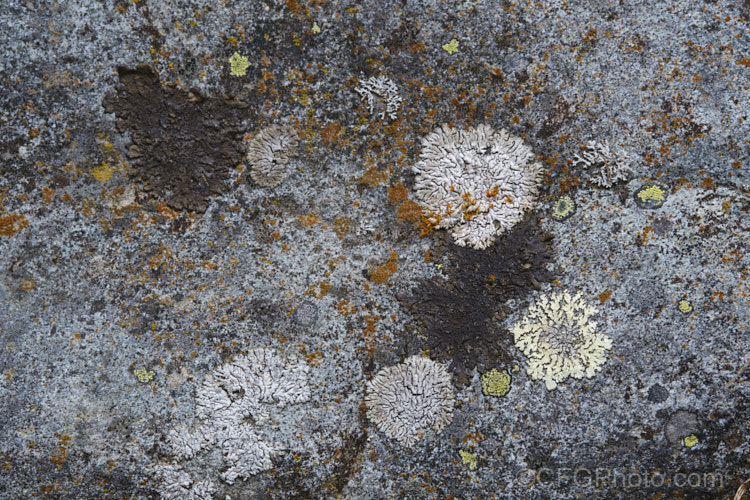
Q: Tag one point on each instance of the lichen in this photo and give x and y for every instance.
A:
(451, 47)
(407, 399)
(560, 340)
(605, 166)
(269, 152)
(381, 95)
(144, 376)
(231, 405)
(477, 183)
(12, 223)
(496, 383)
(650, 196)
(469, 459)
(238, 64)
(563, 208)
(685, 306)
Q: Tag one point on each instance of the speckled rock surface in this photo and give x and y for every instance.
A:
(137, 259)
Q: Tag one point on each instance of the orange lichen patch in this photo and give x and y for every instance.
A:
(368, 334)
(309, 220)
(428, 255)
(342, 226)
(374, 177)
(381, 273)
(411, 212)
(331, 133)
(165, 211)
(47, 194)
(745, 61)
(276, 235)
(493, 192)
(344, 308)
(12, 223)
(604, 296)
(209, 266)
(26, 285)
(707, 183)
(397, 193)
(320, 290)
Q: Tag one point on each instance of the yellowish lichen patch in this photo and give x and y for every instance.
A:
(496, 383)
(143, 375)
(451, 47)
(468, 458)
(238, 64)
(691, 440)
(315, 28)
(102, 173)
(685, 306)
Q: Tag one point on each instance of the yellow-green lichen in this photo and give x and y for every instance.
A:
(650, 195)
(143, 375)
(685, 306)
(315, 28)
(451, 47)
(563, 208)
(102, 173)
(691, 440)
(238, 64)
(496, 383)
(468, 458)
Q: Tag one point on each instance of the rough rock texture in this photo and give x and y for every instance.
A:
(136, 261)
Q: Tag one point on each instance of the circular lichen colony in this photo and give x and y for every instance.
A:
(651, 195)
(407, 399)
(269, 152)
(477, 183)
(559, 339)
(563, 208)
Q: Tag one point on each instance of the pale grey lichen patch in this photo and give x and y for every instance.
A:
(232, 407)
(604, 166)
(477, 183)
(269, 152)
(560, 340)
(176, 484)
(381, 96)
(407, 399)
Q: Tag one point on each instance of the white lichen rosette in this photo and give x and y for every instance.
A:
(269, 152)
(560, 340)
(232, 410)
(476, 183)
(406, 400)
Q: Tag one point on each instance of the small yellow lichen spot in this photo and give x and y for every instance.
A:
(102, 173)
(496, 383)
(144, 375)
(685, 306)
(238, 64)
(451, 47)
(691, 440)
(468, 458)
(315, 28)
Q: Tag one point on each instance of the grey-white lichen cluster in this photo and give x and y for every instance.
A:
(605, 167)
(477, 183)
(269, 152)
(407, 399)
(560, 340)
(381, 96)
(232, 408)
(176, 484)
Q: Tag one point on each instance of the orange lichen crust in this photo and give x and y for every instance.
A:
(11, 224)
(381, 273)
